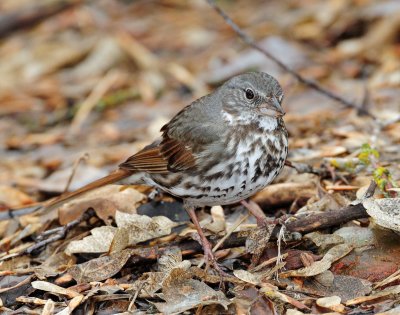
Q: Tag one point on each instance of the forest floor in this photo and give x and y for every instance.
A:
(86, 84)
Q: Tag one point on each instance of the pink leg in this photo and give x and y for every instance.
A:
(256, 211)
(209, 257)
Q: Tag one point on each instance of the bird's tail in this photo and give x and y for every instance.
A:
(109, 179)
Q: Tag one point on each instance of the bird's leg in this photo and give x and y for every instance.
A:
(209, 257)
(256, 211)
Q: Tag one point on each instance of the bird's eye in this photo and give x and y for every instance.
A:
(280, 98)
(249, 94)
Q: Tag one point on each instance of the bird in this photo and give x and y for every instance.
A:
(219, 150)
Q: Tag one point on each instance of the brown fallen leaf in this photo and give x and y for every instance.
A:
(151, 282)
(182, 293)
(101, 268)
(249, 301)
(335, 253)
(135, 228)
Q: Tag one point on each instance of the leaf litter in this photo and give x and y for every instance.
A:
(101, 79)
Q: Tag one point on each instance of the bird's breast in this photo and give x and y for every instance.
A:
(246, 163)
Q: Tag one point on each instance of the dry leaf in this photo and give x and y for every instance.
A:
(385, 212)
(391, 291)
(182, 293)
(324, 240)
(101, 268)
(105, 201)
(73, 304)
(135, 228)
(48, 308)
(151, 282)
(132, 229)
(335, 253)
(52, 288)
(12, 197)
(255, 278)
(272, 293)
(218, 220)
(99, 242)
(332, 303)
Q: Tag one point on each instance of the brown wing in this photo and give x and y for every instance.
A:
(191, 133)
(169, 155)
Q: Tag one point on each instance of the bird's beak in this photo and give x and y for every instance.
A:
(272, 108)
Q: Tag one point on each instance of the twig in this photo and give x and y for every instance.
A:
(74, 168)
(312, 84)
(17, 212)
(57, 233)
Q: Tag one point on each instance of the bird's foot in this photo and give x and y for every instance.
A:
(210, 260)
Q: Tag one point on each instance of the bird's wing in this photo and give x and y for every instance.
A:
(184, 138)
(161, 157)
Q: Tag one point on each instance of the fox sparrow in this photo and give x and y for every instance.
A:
(219, 150)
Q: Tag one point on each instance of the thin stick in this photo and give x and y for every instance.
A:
(312, 84)
(55, 235)
(84, 157)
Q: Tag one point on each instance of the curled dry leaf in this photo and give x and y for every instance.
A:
(54, 265)
(385, 212)
(182, 293)
(325, 263)
(132, 229)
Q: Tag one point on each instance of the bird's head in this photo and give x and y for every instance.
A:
(255, 93)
